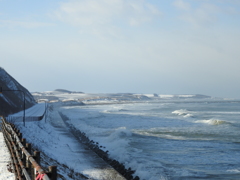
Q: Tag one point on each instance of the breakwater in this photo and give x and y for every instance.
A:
(128, 173)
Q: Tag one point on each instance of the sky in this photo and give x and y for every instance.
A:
(123, 46)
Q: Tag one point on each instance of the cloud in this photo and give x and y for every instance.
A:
(182, 5)
(202, 16)
(90, 15)
(24, 24)
(203, 13)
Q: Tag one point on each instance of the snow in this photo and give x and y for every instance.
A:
(4, 160)
(36, 110)
(52, 137)
(54, 140)
(169, 96)
(32, 114)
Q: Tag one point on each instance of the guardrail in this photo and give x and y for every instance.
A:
(24, 165)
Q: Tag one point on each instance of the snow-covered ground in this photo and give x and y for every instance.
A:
(58, 145)
(54, 140)
(4, 160)
(31, 114)
(35, 111)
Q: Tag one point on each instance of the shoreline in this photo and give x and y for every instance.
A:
(95, 147)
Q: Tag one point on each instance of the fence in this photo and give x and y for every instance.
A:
(24, 165)
(19, 118)
(12, 119)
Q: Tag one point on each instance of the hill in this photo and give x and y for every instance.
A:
(12, 95)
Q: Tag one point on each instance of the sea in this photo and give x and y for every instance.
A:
(166, 139)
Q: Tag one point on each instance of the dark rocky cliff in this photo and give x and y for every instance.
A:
(13, 101)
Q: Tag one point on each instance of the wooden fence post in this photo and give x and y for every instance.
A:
(52, 172)
(28, 163)
(24, 164)
(36, 156)
(22, 153)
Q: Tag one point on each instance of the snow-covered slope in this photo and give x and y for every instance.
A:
(12, 101)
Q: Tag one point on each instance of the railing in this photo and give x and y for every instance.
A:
(24, 165)
(27, 118)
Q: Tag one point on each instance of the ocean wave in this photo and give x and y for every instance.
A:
(234, 170)
(161, 134)
(117, 143)
(183, 112)
(212, 121)
(123, 110)
(121, 132)
(183, 134)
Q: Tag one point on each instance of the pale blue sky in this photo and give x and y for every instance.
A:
(138, 46)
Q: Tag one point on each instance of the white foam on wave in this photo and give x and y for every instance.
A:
(155, 132)
(183, 112)
(165, 96)
(120, 133)
(117, 143)
(212, 121)
(123, 111)
(234, 170)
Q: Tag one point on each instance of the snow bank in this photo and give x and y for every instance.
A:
(4, 161)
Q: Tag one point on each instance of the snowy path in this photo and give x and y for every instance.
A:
(55, 140)
(96, 167)
(4, 160)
